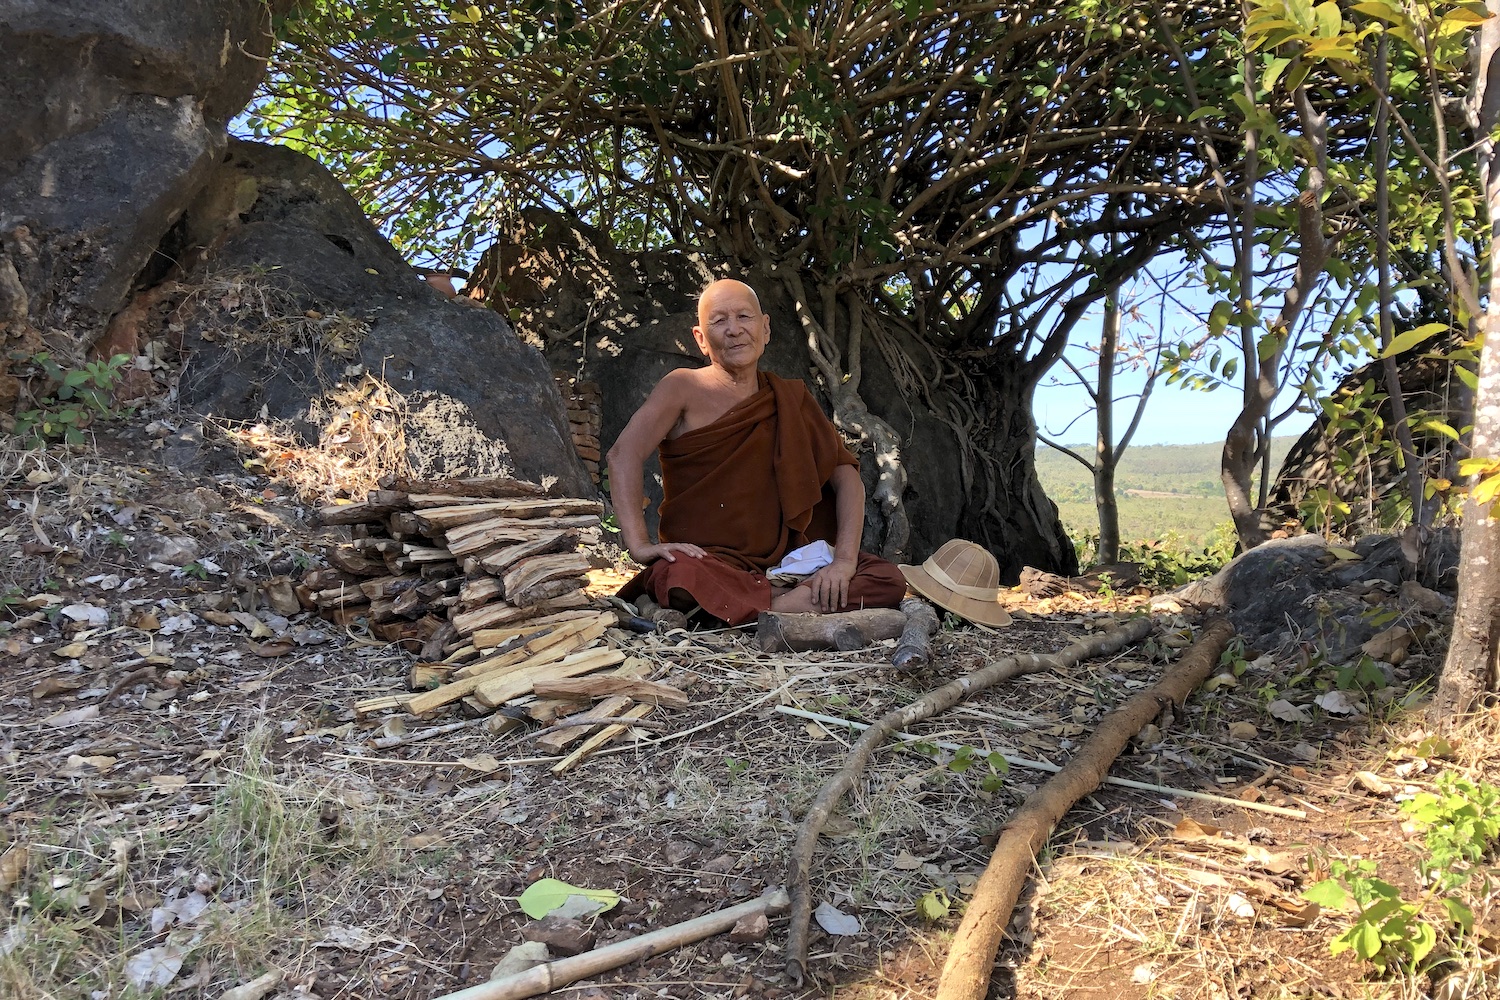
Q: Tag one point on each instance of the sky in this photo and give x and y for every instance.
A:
(1174, 415)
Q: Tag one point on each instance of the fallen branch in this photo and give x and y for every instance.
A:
(966, 974)
(1048, 766)
(545, 978)
(782, 632)
(928, 705)
(914, 650)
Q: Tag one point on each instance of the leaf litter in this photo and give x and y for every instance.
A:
(236, 751)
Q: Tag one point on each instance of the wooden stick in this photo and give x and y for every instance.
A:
(1042, 765)
(546, 978)
(581, 688)
(928, 705)
(606, 735)
(966, 974)
(576, 727)
(914, 650)
(776, 632)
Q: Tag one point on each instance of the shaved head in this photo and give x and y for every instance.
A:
(714, 289)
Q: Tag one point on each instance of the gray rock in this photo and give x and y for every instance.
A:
(561, 935)
(1293, 591)
(112, 114)
(477, 400)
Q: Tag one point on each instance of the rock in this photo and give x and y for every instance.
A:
(561, 935)
(750, 929)
(113, 116)
(1414, 595)
(1292, 590)
(477, 401)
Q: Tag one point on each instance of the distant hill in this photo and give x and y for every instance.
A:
(1163, 488)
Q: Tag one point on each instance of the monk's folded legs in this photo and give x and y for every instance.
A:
(737, 595)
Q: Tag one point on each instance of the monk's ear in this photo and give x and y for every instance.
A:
(701, 340)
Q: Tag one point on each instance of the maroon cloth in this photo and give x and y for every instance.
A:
(749, 488)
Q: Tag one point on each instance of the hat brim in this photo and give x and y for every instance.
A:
(980, 612)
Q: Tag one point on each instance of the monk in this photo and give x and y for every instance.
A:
(751, 470)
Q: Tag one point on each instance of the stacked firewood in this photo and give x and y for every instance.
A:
(433, 563)
(484, 580)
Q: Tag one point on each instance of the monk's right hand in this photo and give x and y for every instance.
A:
(666, 550)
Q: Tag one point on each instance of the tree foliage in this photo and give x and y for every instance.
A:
(933, 170)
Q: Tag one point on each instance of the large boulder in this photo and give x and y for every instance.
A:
(300, 295)
(112, 117)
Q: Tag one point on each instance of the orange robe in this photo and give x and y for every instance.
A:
(749, 488)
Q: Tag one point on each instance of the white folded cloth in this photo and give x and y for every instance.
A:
(799, 564)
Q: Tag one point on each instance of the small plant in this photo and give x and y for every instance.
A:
(998, 766)
(1387, 930)
(70, 398)
(1463, 824)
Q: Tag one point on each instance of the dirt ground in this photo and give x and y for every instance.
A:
(188, 800)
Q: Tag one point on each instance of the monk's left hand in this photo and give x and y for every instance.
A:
(830, 586)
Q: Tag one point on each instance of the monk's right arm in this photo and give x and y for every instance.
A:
(627, 462)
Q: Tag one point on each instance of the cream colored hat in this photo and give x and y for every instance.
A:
(961, 577)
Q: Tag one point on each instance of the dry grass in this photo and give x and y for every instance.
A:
(361, 441)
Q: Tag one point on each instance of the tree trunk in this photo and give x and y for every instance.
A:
(1105, 502)
(1470, 670)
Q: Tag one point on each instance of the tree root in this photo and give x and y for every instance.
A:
(966, 974)
(928, 705)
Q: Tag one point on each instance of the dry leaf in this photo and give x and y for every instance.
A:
(168, 782)
(71, 650)
(62, 720)
(1191, 829)
(155, 967)
(1340, 702)
(1287, 712)
(483, 763)
(816, 732)
(1239, 906)
(276, 647)
(835, 921)
(421, 841)
(255, 989)
(1389, 646)
(1243, 731)
(1374, 784)
(13, 865)
(49, 686)
(906, 862)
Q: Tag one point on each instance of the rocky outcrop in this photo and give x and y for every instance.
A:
(299, 293)
(112, 117)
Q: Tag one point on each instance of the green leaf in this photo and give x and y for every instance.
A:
(1329, 894)
(1365, 940)
(1407, 339)
(1438, 427)
(934, 906)
(1218, 317)
(1205, 113)
(1421, 939)
(1459, 913)
(545, 895)
(1330, 21)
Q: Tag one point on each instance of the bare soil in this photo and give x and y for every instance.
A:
(179, 796)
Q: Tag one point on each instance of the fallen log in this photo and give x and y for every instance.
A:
(914, 650)
(966, 973)
(546, 978)
(930, 704)
(778, 632)
(355, 513)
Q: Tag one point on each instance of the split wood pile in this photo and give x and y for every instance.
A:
(435, 562)
(484, 581)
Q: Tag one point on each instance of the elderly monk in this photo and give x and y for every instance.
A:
(751, 470)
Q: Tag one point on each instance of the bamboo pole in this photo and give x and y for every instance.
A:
(545, 978)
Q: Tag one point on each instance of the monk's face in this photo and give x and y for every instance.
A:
(732, 332)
